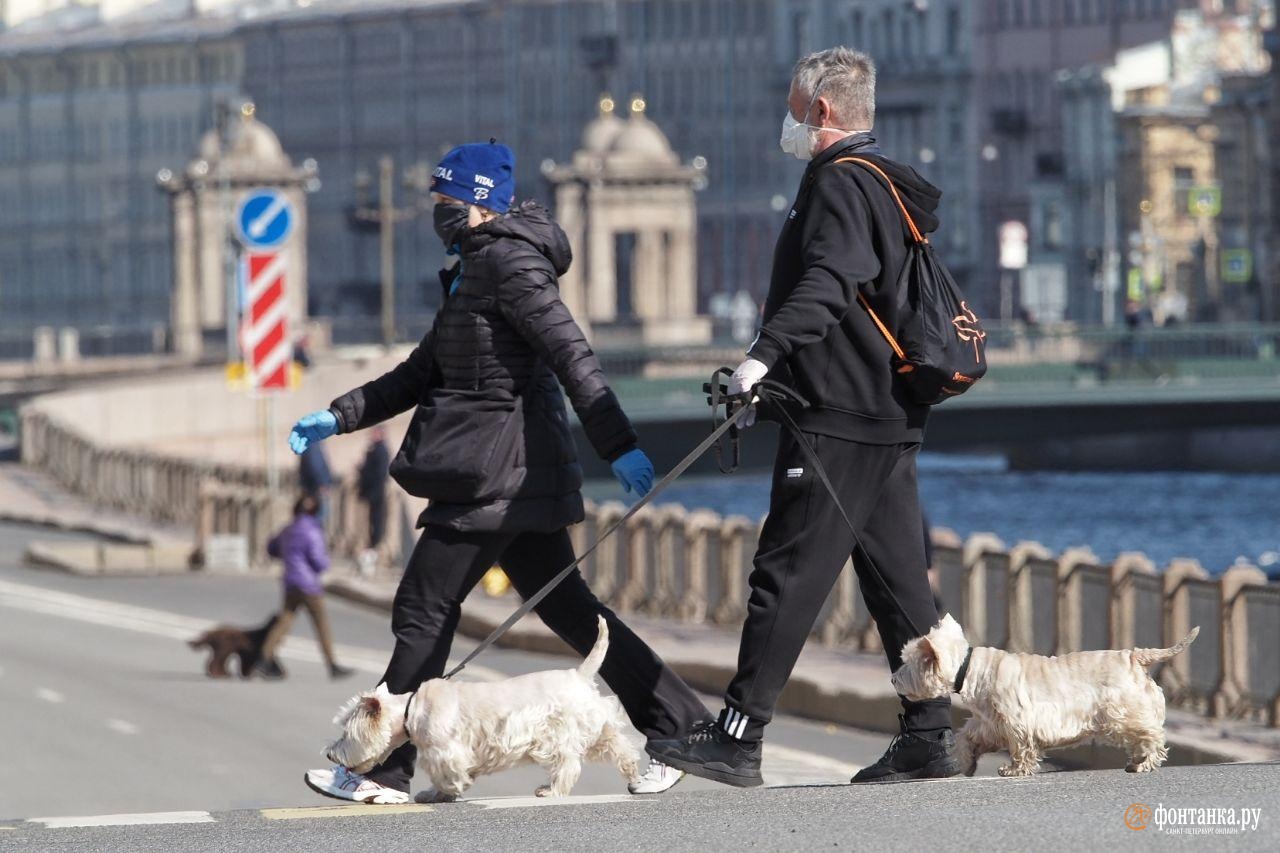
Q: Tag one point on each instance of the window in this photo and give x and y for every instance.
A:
(1069, 12)
(1036, 12)
(855, 30)
(1184, 178)
(1019, 10)
(953, 30)
(890, 41)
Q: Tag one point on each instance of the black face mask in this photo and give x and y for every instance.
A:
(449, 221)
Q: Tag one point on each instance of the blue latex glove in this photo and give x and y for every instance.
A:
(634, 471)
(311, 428)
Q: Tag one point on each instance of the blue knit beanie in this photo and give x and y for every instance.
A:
(481, 173)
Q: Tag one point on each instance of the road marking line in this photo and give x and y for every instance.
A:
(124, 727)
(160, 623)
(799, 765)
(124, 819)
(49, 695)
(353, 810)
(533, 802)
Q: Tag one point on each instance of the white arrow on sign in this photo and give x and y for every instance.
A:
(263, 221)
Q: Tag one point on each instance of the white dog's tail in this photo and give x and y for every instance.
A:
(1150, 657)
(591, 664)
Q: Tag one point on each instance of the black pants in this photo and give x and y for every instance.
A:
(803, 547)
(444, 567)
(377, 522)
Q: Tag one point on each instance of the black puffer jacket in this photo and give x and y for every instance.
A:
(504, 342)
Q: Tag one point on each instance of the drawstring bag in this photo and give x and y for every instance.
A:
(939, 345)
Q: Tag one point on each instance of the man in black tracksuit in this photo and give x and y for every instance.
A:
(843, 237)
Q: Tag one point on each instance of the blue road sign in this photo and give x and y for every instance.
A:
(265, 219)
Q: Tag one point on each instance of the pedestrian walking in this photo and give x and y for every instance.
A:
(372, 491)
(316, 479)
(300, 545)
(490, 447)
(843, 243)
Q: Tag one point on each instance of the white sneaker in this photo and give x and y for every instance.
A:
(658, 778)
(341, 784)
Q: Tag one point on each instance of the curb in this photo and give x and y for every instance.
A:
(107, 531)
(814, 700)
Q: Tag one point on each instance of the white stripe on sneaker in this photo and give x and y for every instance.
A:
(742, 726)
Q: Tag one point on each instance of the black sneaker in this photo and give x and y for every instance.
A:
(912, 755)
(709, 752)
(337, 671)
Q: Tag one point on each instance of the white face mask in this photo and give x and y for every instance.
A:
(799, 139)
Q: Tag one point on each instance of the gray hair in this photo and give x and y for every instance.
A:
(846, 78)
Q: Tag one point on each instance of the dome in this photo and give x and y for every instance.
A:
(641, 139)
(601, 132)
(251, 141)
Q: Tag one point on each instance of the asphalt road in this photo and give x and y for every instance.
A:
(107, 710)
(1053, 811)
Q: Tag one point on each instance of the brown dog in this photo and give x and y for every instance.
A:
(223, 641)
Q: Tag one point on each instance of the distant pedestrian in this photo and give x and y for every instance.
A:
(301, 546)
(316, 479)
(372, 488)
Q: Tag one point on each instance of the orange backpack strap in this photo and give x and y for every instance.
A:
(916, 235)
(911, 224)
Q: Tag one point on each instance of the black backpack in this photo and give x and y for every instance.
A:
(939, 346)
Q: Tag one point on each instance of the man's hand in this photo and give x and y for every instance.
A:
(311, 428)
(634, 471)
(744, 378)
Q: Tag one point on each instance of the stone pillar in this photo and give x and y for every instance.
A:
(648, 289)
(602, 285)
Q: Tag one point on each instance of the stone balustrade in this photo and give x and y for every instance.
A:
(693, 566)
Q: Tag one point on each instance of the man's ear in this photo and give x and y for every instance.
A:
(822, 113)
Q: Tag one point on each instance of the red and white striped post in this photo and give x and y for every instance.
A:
(267, 347)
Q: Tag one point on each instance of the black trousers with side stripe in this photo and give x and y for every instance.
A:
(446, 564)
(804, 545)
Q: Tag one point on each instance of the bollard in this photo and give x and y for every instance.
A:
(984, 593)
(1194, 678)
(738, 536)
(1033, 610)
(671, 531)
(638, 538)
(701, 559)
(1084, 618)
(1137, 602)
(1251, 676)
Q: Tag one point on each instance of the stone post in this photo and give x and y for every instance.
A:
(738, 536)
(1029, 563)
(1137, 612)
(700, 527)
(1238, 685)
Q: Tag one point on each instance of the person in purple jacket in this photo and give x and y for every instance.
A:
(301, 546)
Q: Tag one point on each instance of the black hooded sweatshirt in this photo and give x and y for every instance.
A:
(504, 339)
(844, 235)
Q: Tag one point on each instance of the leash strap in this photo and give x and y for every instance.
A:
(766, 391)
(730, 422)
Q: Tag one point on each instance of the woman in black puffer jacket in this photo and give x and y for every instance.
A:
(490, 446)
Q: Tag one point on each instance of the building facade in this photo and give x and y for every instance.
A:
(965, 95)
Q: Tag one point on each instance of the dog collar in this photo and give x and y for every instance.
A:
(962, 671)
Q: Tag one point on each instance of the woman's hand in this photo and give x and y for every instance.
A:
(634, 471)
(311, 428)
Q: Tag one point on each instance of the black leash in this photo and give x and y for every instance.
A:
(776, 394)
(733, 414)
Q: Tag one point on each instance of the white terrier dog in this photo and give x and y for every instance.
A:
(467, 729)
(1028, 703)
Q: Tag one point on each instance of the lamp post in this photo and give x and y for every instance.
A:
(386, 215)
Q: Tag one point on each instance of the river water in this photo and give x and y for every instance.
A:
(1213, 518)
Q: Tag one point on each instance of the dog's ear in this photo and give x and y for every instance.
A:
(928, 657)
(370, 706)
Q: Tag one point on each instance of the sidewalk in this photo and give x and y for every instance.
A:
(133, 546)
(831, 685)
